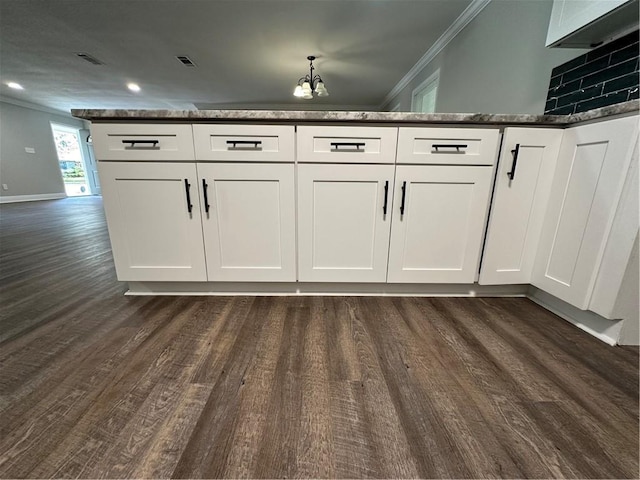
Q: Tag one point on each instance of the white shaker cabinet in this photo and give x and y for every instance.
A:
(441, 198)
(523, 182)
(248, 221)
(608, 298)
(592, 168)
(153, 215)
(142, 142)
(345, 183)
(343, 231)
(438, 222)
(582, 23)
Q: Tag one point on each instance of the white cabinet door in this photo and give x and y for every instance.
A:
(608, 297)
(343, 232)
(523, 182)
(153, 214)
(248, 220)
(438, 223)
(592, 167)
(568, 16)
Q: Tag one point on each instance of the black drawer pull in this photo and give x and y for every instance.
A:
(437, 146)
(335, 146)
(205, 185)
(514, 152)
(132, 143)
(187, 186)
(244, 144)
(404, 194)
(386, 196)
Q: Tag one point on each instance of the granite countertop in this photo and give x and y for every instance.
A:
(195, 116)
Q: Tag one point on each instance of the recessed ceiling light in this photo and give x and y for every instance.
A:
(15, 86)
(134, 87)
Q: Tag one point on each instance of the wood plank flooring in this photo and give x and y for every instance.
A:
(94, 384)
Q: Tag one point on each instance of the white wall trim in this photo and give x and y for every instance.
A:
(329, 289)
(31, 198)
(603, 329)
(40, 108)
(474, 8)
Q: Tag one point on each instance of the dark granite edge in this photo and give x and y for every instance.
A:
(350, 116)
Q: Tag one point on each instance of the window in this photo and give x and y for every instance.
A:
(423, 99)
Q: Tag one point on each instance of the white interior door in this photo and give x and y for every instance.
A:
(343, 232)
(153, 214)
(249, 229)
(438, 223)
(90, 162)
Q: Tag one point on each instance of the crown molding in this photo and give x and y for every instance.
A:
(474, 8)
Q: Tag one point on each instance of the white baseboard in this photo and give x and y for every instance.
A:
(602, 328)
(31, 198)
(332, 289)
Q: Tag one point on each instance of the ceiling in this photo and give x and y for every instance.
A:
(249, 53)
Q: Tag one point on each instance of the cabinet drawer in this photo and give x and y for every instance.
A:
(150, 142)
(447, 146)
(347, 144)
(244, 143)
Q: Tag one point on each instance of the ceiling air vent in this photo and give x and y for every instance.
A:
(89, 58)
(186, 61)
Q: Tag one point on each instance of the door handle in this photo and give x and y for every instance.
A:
(457, 146)
(514, 152)
(386, 197)
(132, 143)
(244, 144)
(187, 186)
(206, 196)
(404, 194)
(335, 146)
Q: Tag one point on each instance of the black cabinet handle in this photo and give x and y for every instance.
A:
(206, 196)
(336, 146)
(404, 194)
(132, 143)
(187, 186)
(386, 196)
(514, 152)
(457, 146)
(244, 144)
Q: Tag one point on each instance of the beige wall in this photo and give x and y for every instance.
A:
(24, 173)
(497, 64)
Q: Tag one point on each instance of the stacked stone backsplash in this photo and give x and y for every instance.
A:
(605, 76)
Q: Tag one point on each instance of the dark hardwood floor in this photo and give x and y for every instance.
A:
(98, 385)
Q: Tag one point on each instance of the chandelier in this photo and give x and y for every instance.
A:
(310, 83)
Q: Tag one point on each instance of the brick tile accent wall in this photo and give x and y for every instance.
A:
(604, 76)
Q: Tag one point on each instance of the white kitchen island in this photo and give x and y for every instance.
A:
(373, 203)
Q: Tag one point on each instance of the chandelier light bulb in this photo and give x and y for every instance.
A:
(321, 90)
(298, 91)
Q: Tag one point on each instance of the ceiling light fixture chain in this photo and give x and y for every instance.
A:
(310, 83)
